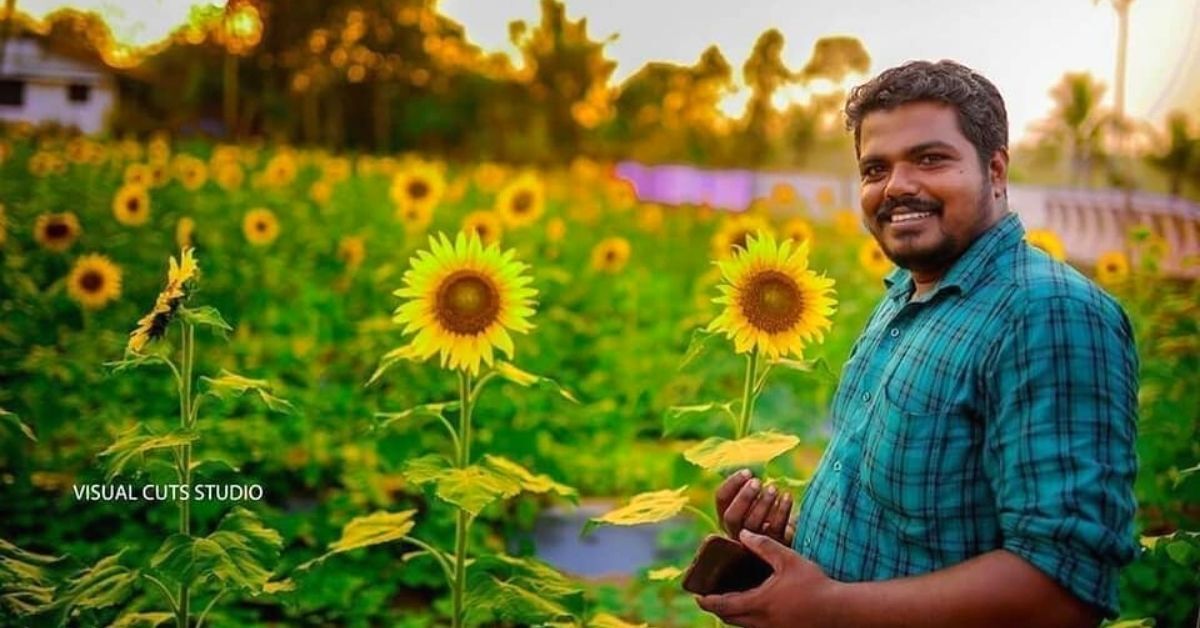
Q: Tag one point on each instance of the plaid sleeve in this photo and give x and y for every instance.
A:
(1059, 444)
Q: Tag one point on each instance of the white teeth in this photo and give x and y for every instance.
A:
(912, 216)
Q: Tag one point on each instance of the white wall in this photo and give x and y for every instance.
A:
(47, 76)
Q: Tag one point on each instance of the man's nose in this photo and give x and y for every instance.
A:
(902, 181)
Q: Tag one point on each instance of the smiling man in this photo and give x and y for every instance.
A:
(982, 461)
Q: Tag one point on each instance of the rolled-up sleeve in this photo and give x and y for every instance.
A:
(1059, 443)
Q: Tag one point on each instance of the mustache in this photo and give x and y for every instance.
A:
(914, 203)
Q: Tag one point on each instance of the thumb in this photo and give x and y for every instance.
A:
(776, 554)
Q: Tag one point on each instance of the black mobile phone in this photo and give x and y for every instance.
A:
(724, 565)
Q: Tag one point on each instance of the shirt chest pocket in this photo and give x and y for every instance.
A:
(920, 464)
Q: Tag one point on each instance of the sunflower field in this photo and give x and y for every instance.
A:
(365, 379)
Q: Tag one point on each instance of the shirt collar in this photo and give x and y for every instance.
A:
(968, 268)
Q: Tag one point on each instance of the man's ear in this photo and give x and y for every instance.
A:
(998, 173)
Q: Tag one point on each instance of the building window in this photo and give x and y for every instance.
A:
(77, 92)
(12, 92)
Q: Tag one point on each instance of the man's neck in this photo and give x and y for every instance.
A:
(926, 281)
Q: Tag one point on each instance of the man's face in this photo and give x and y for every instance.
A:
(924, 195)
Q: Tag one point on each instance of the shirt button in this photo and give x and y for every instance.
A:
(808, 541)
(837, 466)
(866, 396)
(895, 332)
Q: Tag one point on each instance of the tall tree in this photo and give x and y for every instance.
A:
(1079, 124)
(1180, 154)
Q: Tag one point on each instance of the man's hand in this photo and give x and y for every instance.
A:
(742, 504)
(797, 594)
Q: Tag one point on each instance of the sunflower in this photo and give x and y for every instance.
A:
(260, 226)
(352, 250)
(320, 192)
(416, 191)
(94, 281)
(56, 232)
(416, 217)
(735, 231)
(772, 303)
(610, 255)
(191, 172)
(485, 224)
(1112, 268)
(159, 174)
(556, 229)
(826, 197)
(650, 218)
(873, 259)
(137, 174)
(131, 205)
(798, 229)
(1048, 241)
(183, 232)
(229, 175)
(280, 170)
(783, 195)
(154, 324)
(521, 202)
(847, 223)
(462, 300)
(489, 176)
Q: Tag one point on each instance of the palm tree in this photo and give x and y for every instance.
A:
(1078, 124)
(1181, 152)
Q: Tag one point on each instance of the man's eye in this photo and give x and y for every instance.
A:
(871, 172)
(930, 160)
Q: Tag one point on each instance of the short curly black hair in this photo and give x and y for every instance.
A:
(981, 114)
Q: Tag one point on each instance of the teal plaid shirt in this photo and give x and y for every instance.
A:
(996, 411)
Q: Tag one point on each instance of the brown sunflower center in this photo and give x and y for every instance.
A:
(260, 226)
(771, 301)
(132, 205)
(91, 281)
(1112, 267)
(57, 230)
(467, 303)
(418, 189)
(522, 201)
(610, 255)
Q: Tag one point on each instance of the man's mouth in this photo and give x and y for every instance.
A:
(899, 218)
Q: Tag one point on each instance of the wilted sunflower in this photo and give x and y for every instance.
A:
(1048, 241)
(873, 259)
(260, 226)
(797, 229)
(735, 232)
(521, 202)
(56, 232)
(1112, 268)
(153, 325)
(485, 224)
(94, 281)
(462, 300)
(610, 255)
(772, 303)
(416, 191)
(131, 205)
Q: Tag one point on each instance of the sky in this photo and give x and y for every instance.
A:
(1023, 46)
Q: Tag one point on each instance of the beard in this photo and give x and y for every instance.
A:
(946, 248)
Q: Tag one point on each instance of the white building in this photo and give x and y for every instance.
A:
(42, 85)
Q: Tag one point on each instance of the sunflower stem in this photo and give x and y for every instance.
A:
(462, 521)
(183, 610)
(748, 396)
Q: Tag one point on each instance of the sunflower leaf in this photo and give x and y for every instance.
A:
(606, 620)
(138, 360)
(373, 529)
(697, 345)
(818, 367)
(1184, 473)
(715, 454)
(104, 584)
(206, 316)
(427, 410)
(529, 482)
(389, 360)
(666, 573)
(28, 579)
(521, 590)
(230, 385)
(236, 554)
(15, 421)
(651, 507)
(425, 469)
(132, 443)
(150, 620)
(475, 487)
(678, 418)
(524, 378)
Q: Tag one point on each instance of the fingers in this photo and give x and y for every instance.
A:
(790, 536)
(729, 489)
(735, 513)
(768, 549)
(757, 515)
(727, 606)
(777, 519)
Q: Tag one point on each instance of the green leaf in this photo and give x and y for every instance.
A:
(527, 379)
(651, 507)
(715, 454)
(425, 469)
(1183, 474)
(138, 360)
(390, 359)
(678, 418)
(528, 480)
(427, 410)
(150, 620)
(27, 579)
(1180, 552)
(817, 367)
(229, 385)
(236, 555)
(104, 584)
(1131, 623)
(521, 590)
(697, 345)
(16, 422)
(206, 316)
(666, 573)
(373, 529)
(605, 620)
(513, 603)
(475, 487)
(131, 443)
